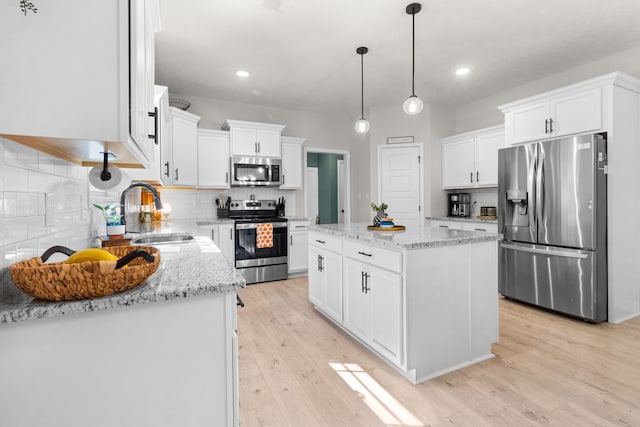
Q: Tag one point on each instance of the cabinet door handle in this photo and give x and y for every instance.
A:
(226, 177)
(258, 146)
(364, 253)
(176, 174)
(213, 234)
(290, 240)
(231, 234)
(477, 176)
(321, 241)
(546, 126)
(480, 229)
(366, 282)
(443, 226)
(550, 125)
(166, 165)
(283, 180)
(470, 176)
(154, 114)
(320, 266)
(362, 285)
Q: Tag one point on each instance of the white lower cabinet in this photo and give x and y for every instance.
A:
(489, 227)
(373, 306)
(298, 250)
(325, 274)
(222, 236)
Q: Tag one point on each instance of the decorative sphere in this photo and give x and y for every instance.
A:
(413, 105)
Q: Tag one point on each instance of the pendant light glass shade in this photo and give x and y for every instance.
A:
(413, 104)
(362, 125)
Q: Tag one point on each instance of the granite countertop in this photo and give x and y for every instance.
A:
(419, 237)
(300, 218)
(186, 270)
(462, 219)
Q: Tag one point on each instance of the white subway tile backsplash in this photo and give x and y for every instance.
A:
(26, 175)
(26, 204)
(20, 155)
(15, 230)
(9, 204)
(16, 179)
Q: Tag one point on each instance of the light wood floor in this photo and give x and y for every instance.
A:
(548, 370)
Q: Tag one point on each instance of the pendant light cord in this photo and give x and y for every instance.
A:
(362, 86)
(413, 54)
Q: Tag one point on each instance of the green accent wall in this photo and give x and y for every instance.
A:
(327, 164)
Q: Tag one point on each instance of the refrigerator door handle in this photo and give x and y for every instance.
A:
(539, 211)
(552, 252)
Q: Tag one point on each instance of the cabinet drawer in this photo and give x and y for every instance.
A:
(481, 226)
(453, 225)
(299, 225)
(326, 241)
(379, 257)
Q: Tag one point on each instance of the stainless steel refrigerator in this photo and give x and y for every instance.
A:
(552, 211)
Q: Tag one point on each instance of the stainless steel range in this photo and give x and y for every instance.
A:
(260, 240)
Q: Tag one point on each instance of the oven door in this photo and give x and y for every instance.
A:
(247, 252)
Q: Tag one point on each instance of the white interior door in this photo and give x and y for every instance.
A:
(311, 209)
(400, 182)
(340, 191)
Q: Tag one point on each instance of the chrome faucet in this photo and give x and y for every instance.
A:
(156, 198)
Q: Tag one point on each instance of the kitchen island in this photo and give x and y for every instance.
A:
(424, 300)
(163, 353)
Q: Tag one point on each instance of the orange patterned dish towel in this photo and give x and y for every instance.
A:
(264, 235)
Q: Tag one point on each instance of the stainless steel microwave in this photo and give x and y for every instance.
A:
(255, 171)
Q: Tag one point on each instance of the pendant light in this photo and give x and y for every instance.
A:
(362, 125)
(413, 104)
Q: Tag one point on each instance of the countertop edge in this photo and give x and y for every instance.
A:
(454, 237)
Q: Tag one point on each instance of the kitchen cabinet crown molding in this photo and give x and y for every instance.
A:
(293, 139)
(617, 78)
(229, 123)
(176, 112)
(472, 133)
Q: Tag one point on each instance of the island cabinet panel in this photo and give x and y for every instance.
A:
(451, 307)
(325, 274)
(373, 307)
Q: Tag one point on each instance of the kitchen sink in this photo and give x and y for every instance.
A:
(158, 239)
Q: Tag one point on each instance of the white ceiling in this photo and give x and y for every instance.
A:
(302, 53)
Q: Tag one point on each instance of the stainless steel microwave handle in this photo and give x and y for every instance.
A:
(253, 225)
(552, 252)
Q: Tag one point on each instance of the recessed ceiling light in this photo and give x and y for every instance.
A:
(243, 73)
(463, 70)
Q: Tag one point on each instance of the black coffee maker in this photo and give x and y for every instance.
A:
(459, 204)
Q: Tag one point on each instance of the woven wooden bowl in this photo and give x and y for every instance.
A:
(58, 281)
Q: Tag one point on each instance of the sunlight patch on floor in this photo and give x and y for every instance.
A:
(384, 405)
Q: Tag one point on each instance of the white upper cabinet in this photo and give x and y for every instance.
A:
(254, 139)
(184, 143)
(156, 173)
(213, 158)
(69, 88)
(292, 163)
(570, 110)
(470, 160)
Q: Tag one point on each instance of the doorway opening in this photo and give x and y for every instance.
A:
(327, 185)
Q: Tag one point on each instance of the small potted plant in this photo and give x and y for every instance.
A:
(380, 212)
(113, 220)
